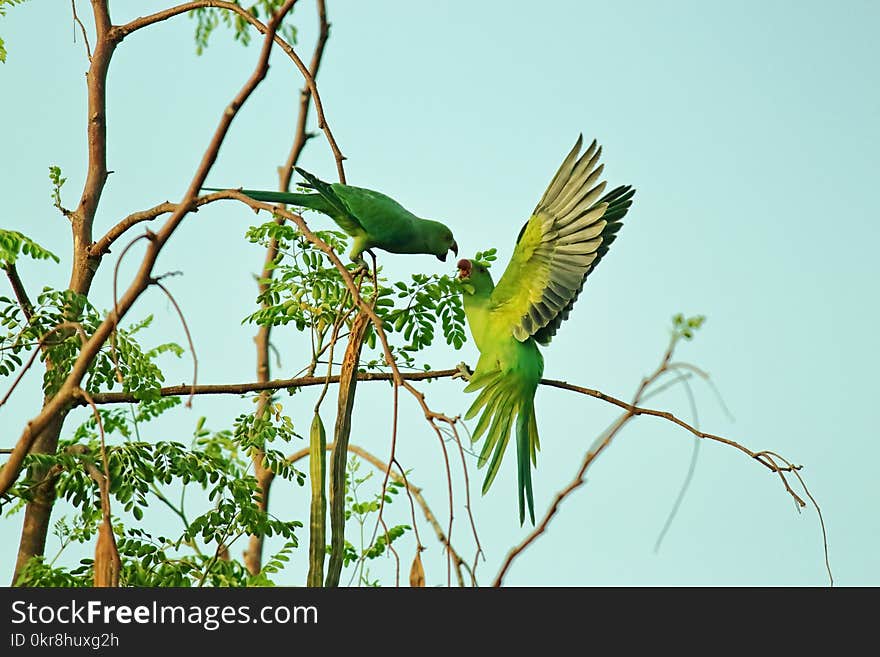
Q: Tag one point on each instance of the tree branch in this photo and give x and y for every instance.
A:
(18, 288)
(102, 246)
(305, 98)
(415, 491)
(253, 555)
(65, 396)
(189, 339)
(638, 410)
(125, 30)
(763, 457)
(82, 28)
(306, 381)
(273, 384)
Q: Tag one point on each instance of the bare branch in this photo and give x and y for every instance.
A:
(273, 384)
(192, 347)
(415, 491)
(305, 99)
(65, 396)
(302, 382)
(96, 80)
(597, 448)
(63, 325)
(102, 246)
(125, 30)
(692, 466)
(638, 410)
(253, 554)
(764, 457)
(819, 512)
(82, 28)
(18, 288)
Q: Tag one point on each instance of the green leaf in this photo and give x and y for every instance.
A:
(14, 243)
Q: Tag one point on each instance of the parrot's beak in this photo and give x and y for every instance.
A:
(464, 269)
(452, 247)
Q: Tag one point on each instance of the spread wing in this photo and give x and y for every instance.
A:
(565, 238)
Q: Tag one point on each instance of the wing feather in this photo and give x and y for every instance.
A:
(563, 241)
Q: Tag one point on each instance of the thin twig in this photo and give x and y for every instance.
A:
(769, 458)
(63, 325)
(692, 466)
(414, 490)
(85, 394)
(18, 288)
(305, 99)
(818, 511)
(82, 28)
(138, 23)
(189, 339)
(97, 174)
(708, 379)
(764, 457)
(113, 355)
(102, 246)
(258, 386)
(638, 410)
(597, 448)
(467, 503)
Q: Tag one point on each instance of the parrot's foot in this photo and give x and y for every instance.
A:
(362, 269)
(463, 372)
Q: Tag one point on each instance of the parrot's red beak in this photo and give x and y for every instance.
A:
(464, 269)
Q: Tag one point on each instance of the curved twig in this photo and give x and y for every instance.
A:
(692, 466)
(764, 457)
(21, 295)
(272, 384)
(102, 246)
(82, 29)
(414, 490)
(42, 345)
(65, 395)
(818, 511)
(124, 30)
(189, 339)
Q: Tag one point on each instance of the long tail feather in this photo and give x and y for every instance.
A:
(526, 447)
(498, 438)
(311, 201)
(488, 413)
(490, 385)
(503, 407)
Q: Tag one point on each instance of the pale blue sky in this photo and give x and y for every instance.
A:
(751, 131)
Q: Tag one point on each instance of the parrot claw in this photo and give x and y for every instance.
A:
(463, 372)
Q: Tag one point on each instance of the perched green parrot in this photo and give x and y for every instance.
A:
(563, 241)
(370, 218)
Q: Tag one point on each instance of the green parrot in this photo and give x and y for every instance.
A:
(563, 241)
(370, 218)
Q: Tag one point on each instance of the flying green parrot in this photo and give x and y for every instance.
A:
(370, 218)
(563, 241)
